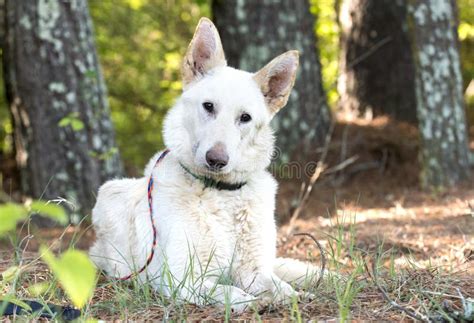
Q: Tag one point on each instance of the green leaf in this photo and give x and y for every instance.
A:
(52, 211)
(64, 122)
(73, 120)
(10, 273)
(38, 289)
(75, 272)
(77, 124)
(135, 4)
(10, 214)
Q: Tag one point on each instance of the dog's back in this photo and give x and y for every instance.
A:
(118, 205)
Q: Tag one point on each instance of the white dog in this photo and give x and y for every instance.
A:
(213, 200)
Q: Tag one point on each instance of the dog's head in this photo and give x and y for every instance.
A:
(220, 125)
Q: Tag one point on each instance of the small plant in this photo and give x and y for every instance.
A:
(341, 247)
(73, 270)
(73, 120)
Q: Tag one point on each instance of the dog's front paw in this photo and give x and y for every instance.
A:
(242, 303)
(284, 293)
(237, 299)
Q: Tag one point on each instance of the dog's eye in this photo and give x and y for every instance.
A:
(245, 117)
(208, 106)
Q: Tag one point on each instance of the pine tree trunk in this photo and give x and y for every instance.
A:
(376, 65)
(438, 81)
(254, 32)
(64, 138)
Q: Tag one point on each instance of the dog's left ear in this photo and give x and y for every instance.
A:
(204, 52)
(276, 80)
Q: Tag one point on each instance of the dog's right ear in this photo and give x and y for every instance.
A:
(204, 52)
(276, 80)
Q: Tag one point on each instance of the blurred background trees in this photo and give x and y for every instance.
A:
(63, 137)
(365, 44)
(439, 92)
(376, 65)
(141, 44)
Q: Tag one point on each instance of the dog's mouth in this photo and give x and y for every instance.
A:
(209, 171)
(214, 170)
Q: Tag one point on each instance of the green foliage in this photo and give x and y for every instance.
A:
(11, 213)
(466, 19)
(327, 31)
(10, 273)
(53, 211)
(75, 272)
(106, 155)
(6, 129)
(466, 36)
(72, 120)
(39, 289)
(140, 44)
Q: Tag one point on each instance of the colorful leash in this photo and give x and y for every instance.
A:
(150, 206)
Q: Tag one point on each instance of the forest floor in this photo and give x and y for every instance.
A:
(368, 215)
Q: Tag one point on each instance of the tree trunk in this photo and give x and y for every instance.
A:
(64, 137)
(438, 83)
(253, 32)
(376, 65)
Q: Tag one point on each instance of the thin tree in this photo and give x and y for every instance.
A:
(439, 97)
(376, 63)
(64, 138)
(252, 33)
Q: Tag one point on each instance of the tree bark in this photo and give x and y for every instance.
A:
(376, 65)
(439, 97)
(64, 138)
(253, 32)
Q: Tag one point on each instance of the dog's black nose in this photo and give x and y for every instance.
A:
(217, 157)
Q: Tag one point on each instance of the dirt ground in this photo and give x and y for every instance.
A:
(380, 194)
(377, 196)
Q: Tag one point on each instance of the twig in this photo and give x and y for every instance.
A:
(342, 165)
(411, 313)
(369, 52)
(323, 256)
(434, 293)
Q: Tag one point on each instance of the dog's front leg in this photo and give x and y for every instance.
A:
(201, 290)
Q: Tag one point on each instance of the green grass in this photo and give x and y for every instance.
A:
(350, 290)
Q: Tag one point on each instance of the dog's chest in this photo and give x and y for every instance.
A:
(222, 212)
(216, 221)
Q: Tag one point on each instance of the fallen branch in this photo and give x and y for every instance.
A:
(411, 313)
(342, 165)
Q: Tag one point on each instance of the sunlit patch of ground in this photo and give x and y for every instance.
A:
(437, 231)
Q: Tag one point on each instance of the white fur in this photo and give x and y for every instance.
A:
(203, 233)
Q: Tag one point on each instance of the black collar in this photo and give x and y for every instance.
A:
(209, 182)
